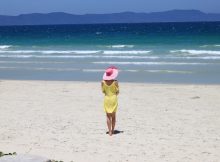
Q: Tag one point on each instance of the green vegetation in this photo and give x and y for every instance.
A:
(3, 154)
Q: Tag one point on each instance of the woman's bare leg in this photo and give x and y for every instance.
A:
(113, 122)
(109, 123)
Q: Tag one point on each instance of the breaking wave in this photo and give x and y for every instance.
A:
(196, 52)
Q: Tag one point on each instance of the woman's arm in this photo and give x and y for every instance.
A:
(102, 87)
(117, 87)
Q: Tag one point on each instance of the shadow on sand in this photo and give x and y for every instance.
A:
(116, 132)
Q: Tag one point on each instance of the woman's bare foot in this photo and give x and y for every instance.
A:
(110, 133)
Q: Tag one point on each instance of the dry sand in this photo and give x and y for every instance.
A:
(156, 122)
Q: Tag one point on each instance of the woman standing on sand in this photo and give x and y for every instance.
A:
(111, 89)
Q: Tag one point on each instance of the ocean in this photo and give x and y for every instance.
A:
(185, 53)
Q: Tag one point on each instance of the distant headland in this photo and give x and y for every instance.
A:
(123, 17)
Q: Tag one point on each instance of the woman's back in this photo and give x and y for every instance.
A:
(110, 88)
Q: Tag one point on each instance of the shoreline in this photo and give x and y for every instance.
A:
(122, 82)
(65, 120)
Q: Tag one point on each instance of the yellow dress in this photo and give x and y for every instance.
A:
(110, 99)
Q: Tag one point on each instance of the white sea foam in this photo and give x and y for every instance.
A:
(25, 55)
(169, 71)
(165, 57)
(92, 70)
(4, 46)
(35, 62)
(52, 52)
(53, 69)
(131, 57)
(203, 46)
(133, 71)
(150, 63)
(48, 56)
(121, 46)
(192, 57)
(16, 56)
(214, 45)
(204, 58)
(134, 52)
(75, 52)
(3, 67)
(69, 52)
(77, 56)
(41, 69)
(19, 51)
(196, 52)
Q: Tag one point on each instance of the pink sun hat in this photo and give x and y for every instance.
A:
(110, 73)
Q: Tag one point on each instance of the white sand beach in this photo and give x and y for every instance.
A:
(65, 121)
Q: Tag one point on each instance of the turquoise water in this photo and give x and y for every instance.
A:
(152, 52)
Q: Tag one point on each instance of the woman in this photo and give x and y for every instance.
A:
(111, 89)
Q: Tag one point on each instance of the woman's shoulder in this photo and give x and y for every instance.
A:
(102, 82)
(112, 82)
(116, 82)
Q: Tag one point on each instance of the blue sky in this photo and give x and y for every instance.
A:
(15, 7)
